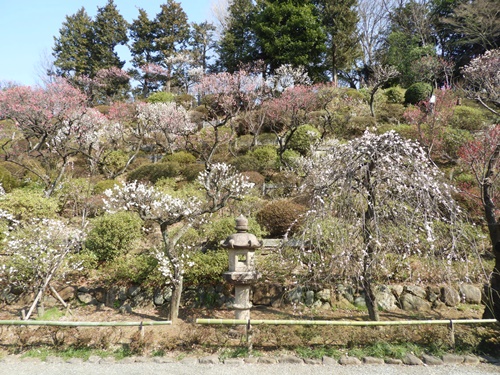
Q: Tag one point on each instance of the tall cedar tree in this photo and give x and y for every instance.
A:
(201, 42)
(339, 18)
(290, 32)
(71, 49)
(171, 34)
(85, 46)
(142, 36)
(143, 49)
(237, 43)
(110, 30)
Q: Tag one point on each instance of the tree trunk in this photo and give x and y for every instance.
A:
(368, 226)
(492, 293)
(493, 290)
(178, 278)
(371, 300)
(175, 303)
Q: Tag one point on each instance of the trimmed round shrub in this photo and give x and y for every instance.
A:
(207, 268)
(360, 95)
(132, 268)
(153, 172)
(280, 216)
(115, 161)
(191, 171)
(454, 139)
(418, 92)
(185, 100)
(290, 157)
(266, 139)
(303, 138)
(181, 157)
(27, 204)
(467, 118)
(101, 186)
(260, 159)
(161, 97)
(8, 181)
(266, 157)
(113, 235)
(391, 113)
(357, 126)
(395, 94)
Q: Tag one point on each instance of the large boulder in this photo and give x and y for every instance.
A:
(296, 296)
(385, 298)
(450, 296)
(411, 302)
(470, 293)
(309, 298)
(324, 295)
(346, 292)
(266, 294)
(162, 296)
(67, 293)
(415, 290)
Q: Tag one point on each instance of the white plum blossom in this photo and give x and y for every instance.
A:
(164, 124)
(482, 79)
(373, 196)
(150, 203)
(220, 183)
(288, 76)
(38, 253)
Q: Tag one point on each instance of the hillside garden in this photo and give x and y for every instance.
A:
(389, 183)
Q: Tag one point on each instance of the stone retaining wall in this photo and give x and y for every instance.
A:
(389, 297)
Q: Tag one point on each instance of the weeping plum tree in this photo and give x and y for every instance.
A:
(220, 184)
(362, 192)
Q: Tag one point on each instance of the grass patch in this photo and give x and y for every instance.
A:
(382, 349)
(52, 314)
(239, 352)
(318, 352)
(122, 352)
(40, 353)
(158, 353)
(68, 353)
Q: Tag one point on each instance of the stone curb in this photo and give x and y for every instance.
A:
(408, 360)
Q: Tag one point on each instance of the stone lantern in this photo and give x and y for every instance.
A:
(242, 274)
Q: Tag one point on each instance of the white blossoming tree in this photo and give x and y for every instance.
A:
(220, 183)
(362, 192)
(164, 125)
(482, 80)
(38, 252)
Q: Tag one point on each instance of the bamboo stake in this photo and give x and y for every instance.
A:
(57, 296)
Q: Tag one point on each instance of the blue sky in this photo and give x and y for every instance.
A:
(28, 27)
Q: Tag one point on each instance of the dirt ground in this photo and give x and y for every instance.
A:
(186, 336)
(91, 313)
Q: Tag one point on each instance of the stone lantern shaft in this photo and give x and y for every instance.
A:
(242, 274)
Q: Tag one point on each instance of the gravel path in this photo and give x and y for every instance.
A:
(150, 367)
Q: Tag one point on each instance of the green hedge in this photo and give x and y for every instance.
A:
(418, 92)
